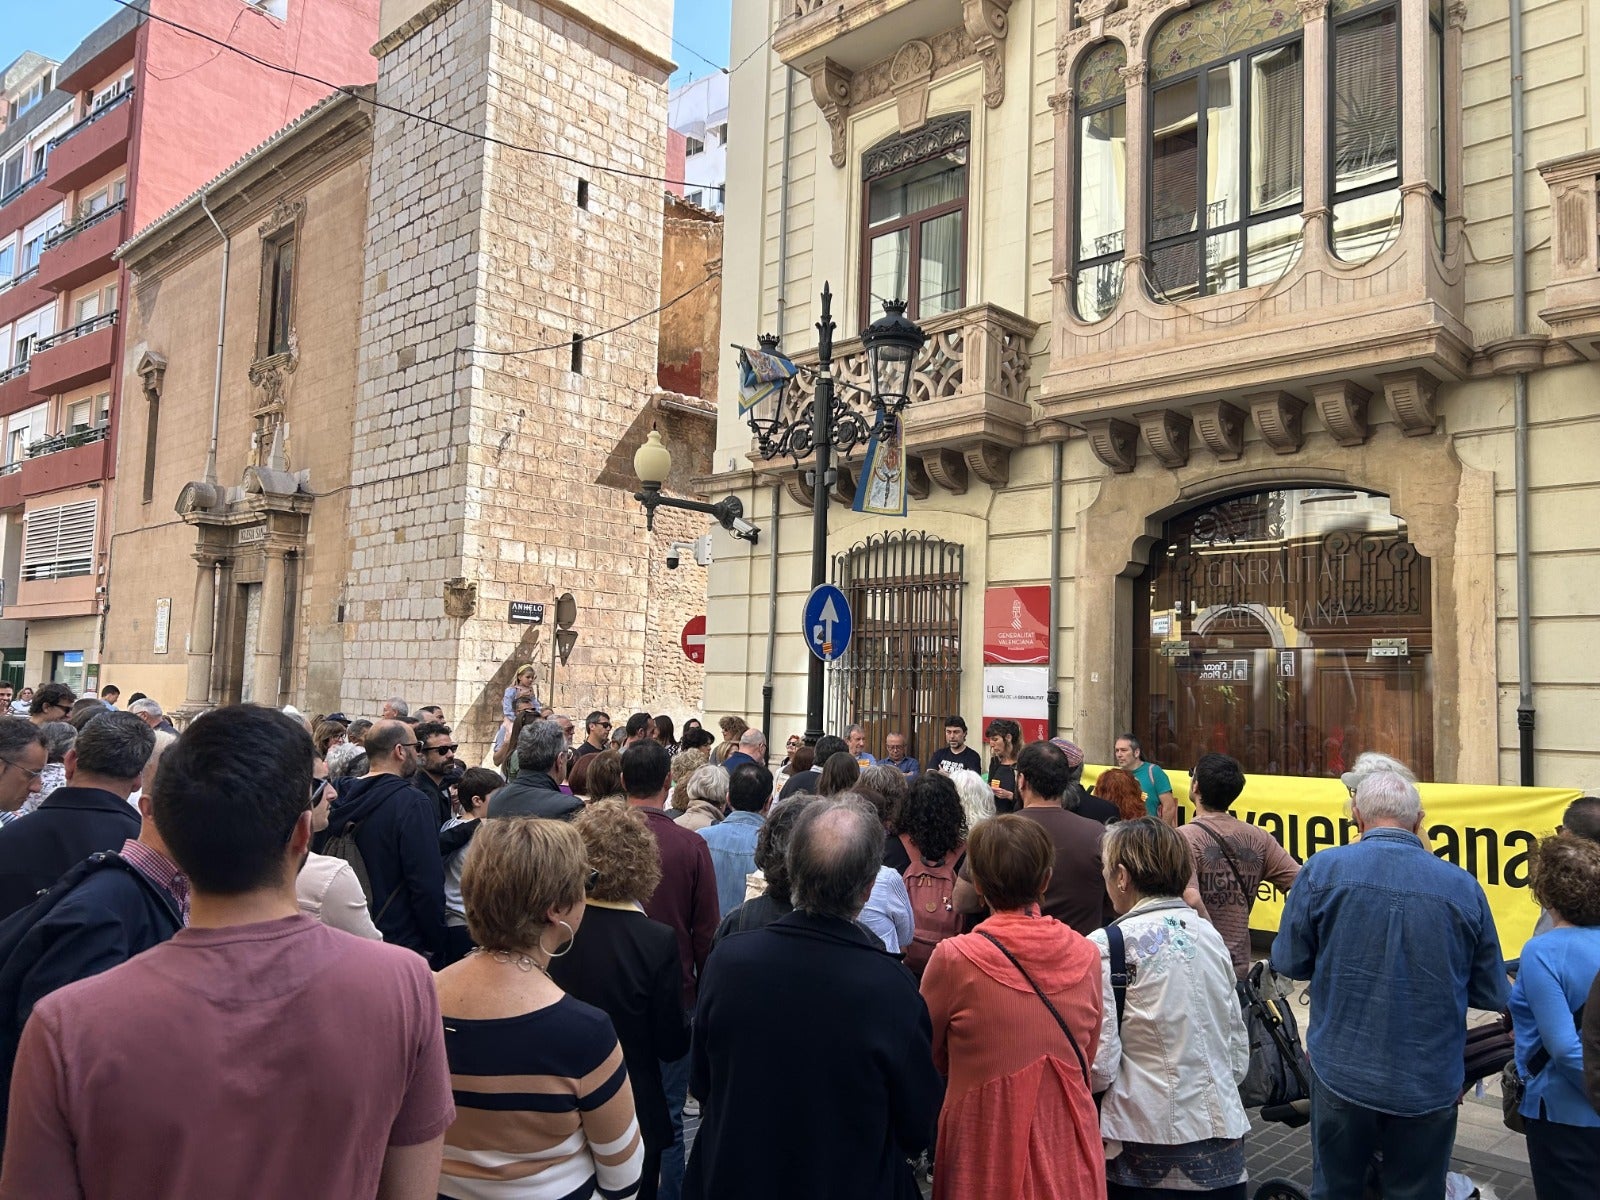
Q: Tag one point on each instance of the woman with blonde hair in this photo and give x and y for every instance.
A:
(1176, 1061)
(543, 1105)
(626, 965)
(521, 684)
(706, 799)
(684, 764)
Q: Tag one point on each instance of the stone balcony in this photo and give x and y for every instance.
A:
(968, 408)
(1572, 296)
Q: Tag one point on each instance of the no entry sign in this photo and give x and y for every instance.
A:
(693, 640)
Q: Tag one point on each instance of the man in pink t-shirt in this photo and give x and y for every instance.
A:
(258, 1053)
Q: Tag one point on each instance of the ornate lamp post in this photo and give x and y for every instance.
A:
(892, 344)
(652, 463)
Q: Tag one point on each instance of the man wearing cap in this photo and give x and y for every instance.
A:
(1078, 798)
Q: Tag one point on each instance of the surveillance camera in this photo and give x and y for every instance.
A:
(675, 553)
(744, 529)
(672, 560)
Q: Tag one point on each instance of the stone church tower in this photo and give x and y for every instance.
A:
(481, 477)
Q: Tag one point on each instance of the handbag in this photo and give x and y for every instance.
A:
(1279, 1073)
(1054, 1012)
(1514, 1085)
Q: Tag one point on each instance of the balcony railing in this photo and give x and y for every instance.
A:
(11, 468)
(108, 106)
(82, 328)
(67, 232)
(17, 191)
(17, 280)
(68, 441)
(15, 372)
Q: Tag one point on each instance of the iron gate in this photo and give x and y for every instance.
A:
(902, 672)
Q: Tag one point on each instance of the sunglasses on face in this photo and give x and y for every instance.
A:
(450, 749)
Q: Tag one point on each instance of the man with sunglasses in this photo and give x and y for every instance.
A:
(597, 725)
(51, 702)
(438, 755)
(395, 828)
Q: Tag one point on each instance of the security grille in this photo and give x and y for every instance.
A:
(59, 542)
(902, 672)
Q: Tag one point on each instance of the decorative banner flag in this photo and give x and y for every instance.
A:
(882, 489)
(761, 373)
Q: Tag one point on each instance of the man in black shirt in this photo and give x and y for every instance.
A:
(597, 725)
(955, 752)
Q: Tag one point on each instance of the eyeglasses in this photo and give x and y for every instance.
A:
(592, 881)
(450, 749)
(31, 774)
(413, 743)
(318, 786)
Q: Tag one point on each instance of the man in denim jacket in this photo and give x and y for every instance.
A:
(1397, 945)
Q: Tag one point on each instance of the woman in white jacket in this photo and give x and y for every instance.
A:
(327, 887)
(1172, 1120)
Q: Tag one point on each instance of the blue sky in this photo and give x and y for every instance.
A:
(55, 27)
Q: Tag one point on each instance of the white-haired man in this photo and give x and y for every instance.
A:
(1397, 945)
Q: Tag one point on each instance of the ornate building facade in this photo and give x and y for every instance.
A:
(1262, 335)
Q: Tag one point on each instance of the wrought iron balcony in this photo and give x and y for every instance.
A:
(66, 233)
(58, 442)
(969, 397)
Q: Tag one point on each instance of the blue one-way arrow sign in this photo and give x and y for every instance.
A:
(827, 622)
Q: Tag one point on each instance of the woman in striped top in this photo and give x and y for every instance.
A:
(544, 1110)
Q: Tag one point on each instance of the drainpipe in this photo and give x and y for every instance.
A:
(1519, 306)
(777, 488)
(222, 317)
(1053, 696)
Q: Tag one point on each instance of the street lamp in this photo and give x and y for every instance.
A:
(652, 463)
(892, 344)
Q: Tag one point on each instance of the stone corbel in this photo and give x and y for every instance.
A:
(799, 490)
(1221, 427)
(987, 23)
(990, 463)
(830, 88)
(918, 485)
(909, 76)
(1409, 395)
(1114, 441)
(1167, 434)
(1343, 408)
(948, 469)
(844, 484)
(1278, 419)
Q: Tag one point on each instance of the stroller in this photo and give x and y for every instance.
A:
(1287, 1098)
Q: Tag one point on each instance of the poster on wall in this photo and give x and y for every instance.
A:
(1016, 625)
(163, 623)
(1019, 694)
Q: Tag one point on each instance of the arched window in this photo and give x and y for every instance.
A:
(1226, 137)
(914, 240)
(1102, 180)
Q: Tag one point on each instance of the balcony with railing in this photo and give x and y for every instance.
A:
(80, 355)
(11, 485)
(77, 253)
(65, 460)
(22, 294)
(969, 398)
(1572, 296)
(26, 202)
(93, 147)
(14, 393)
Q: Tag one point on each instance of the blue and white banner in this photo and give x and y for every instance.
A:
(761, 374)
(882, 487)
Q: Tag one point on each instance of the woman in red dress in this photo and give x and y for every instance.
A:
(1016, 1007)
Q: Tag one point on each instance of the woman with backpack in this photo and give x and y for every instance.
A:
(1016, 1007)
(1174, 1044)
(932, 847)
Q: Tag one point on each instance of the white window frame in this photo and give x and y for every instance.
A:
(25, 428)
(59, 542)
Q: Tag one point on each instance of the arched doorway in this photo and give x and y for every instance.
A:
(1289, 628)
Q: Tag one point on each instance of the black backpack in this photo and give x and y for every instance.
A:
(343, 845)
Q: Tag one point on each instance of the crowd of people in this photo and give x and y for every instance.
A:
(281, 956)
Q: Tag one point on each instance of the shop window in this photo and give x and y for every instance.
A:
(1102, 180)
(1227, 121)
(903, 672)
(1364, 131)
(914, 237)
(1290, 629)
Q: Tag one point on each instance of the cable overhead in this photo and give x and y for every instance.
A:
(348, 90)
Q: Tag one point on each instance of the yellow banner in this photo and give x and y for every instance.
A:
(1487, 831)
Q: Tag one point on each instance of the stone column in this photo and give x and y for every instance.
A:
(202, 635)
(1314, 65)
(1135, 251)
(269, 629)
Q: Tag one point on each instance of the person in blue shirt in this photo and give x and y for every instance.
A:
(733, 839)
(1558, 969)
(894, 754)
(1397, 945)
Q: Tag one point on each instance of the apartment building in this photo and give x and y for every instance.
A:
(141, 113)
(1261, 375)
(698, 112)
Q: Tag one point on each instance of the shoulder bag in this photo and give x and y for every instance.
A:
(1249, 896)
(1054, 1012)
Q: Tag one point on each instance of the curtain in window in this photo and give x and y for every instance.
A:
(940, 275)
(1366, 105)
(1277, 118)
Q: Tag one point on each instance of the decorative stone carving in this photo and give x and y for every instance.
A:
(1343, 408)
(910, 73)
(918, 485)
(1060, 101)
(1409, 395)
(1573, 237)
(1278, 419)
(1312, 10)
(830, 88)
(284, 214)
(198, 499)
(460, 597)
(152, 372)
(1134, 73)
(949, 47)
(990, 463)
(1456, 15)
(948, 469)
(795, 483)
(987, 23)
(1221, 427)
(1115, 442)
(271, 376)
(938, 135)
(1167, 434)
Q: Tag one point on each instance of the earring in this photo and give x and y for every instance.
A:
(572, 936)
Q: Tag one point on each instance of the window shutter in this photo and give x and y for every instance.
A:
(59, 542)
